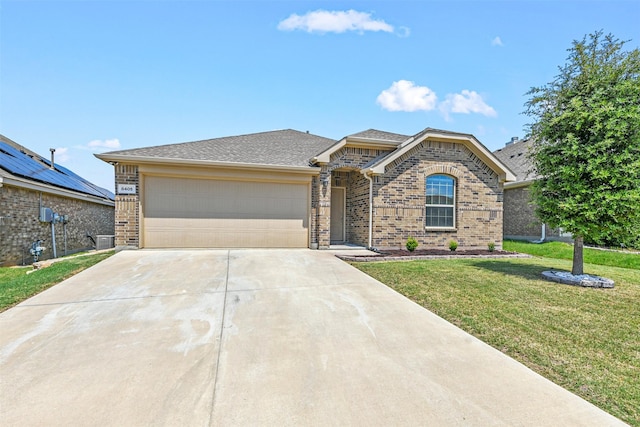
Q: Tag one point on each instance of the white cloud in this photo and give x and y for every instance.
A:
(496, 41)
(404, 95)
(61, 155)
(465, 102)
(107, 143)
(324, 21)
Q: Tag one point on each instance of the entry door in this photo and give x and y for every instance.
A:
(337, 214)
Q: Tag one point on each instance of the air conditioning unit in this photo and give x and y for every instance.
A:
(104, 241)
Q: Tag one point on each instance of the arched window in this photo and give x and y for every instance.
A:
(441, 201)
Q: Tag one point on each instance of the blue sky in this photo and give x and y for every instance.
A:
(94, 76)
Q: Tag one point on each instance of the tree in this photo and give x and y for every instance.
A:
(586, 144)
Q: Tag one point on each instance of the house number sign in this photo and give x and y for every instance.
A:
(126, 189)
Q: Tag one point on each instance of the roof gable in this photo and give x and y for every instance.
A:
(288, 148)
(467, 140)
(371, 138)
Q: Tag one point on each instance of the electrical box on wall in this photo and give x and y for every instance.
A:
(46, 215)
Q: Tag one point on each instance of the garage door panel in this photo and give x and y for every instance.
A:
(184, 212)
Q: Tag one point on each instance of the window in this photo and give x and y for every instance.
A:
(440, 206)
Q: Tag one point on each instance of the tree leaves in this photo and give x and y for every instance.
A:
(586, 134)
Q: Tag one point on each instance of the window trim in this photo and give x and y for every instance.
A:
(451, 206)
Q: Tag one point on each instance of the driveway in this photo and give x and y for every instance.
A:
(255, 337)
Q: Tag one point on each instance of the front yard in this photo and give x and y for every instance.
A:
(16, 285)
(586, 340)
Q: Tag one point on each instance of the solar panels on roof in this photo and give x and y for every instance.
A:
(25, 165)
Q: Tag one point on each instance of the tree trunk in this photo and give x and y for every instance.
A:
(578, 260)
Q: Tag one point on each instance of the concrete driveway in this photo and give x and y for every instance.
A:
(255, 337)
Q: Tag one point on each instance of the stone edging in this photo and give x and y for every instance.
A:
(374, 258)
(584, 280)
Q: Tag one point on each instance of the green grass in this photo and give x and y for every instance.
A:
(586, 340)
(561, 250)
(16, 285)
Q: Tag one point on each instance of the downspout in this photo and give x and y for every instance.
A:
(370, 210)
(53, 239)
(543, 234)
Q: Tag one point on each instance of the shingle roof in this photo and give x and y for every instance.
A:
(381, 135)
(17, 161)
(514, 156)
(282, 147)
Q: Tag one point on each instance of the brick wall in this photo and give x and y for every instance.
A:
(20, 225)
(357, 209)
(399, 197)
(127, 222)
(341, 162)
(520, 221)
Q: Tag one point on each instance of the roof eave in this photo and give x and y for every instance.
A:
(518, 184)
(59, 191)
(116, 158)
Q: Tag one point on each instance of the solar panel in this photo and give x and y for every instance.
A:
(18, 163)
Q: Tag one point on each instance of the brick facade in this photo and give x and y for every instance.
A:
(20, 225)
(520, 221)
(127, 221)
(399, 197)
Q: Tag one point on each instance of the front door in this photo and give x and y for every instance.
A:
(337, 214)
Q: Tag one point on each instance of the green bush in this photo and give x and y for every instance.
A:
(491, 246)
(453, 245)
(412, 244)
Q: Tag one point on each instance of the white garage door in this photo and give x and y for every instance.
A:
(208, 213)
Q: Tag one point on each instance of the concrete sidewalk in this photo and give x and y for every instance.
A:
(255, 337)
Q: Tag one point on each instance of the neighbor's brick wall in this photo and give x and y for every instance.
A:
(399, 199)
(20, 225)
(127, 227)
(520, 221)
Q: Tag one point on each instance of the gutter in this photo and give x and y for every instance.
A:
(111, 158)
(17, 182)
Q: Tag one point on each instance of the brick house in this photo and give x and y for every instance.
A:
(294, 189)
(520, 220)
(28, 183)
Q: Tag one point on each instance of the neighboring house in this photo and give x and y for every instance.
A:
(41, 200)
(520, 220)
(294, 189)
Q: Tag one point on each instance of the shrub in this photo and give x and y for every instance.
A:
(412, 244)
(492, 246)
(453, 245)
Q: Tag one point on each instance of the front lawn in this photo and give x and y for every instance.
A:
(16, 285)
(586, 340)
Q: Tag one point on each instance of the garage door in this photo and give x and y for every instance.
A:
(209, 213)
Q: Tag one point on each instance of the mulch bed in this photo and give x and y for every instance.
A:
(403, 255)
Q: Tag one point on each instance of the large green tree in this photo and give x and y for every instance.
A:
(586, 149)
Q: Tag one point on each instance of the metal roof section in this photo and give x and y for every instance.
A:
(287, 148)
(467, 140)
(26, 164)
